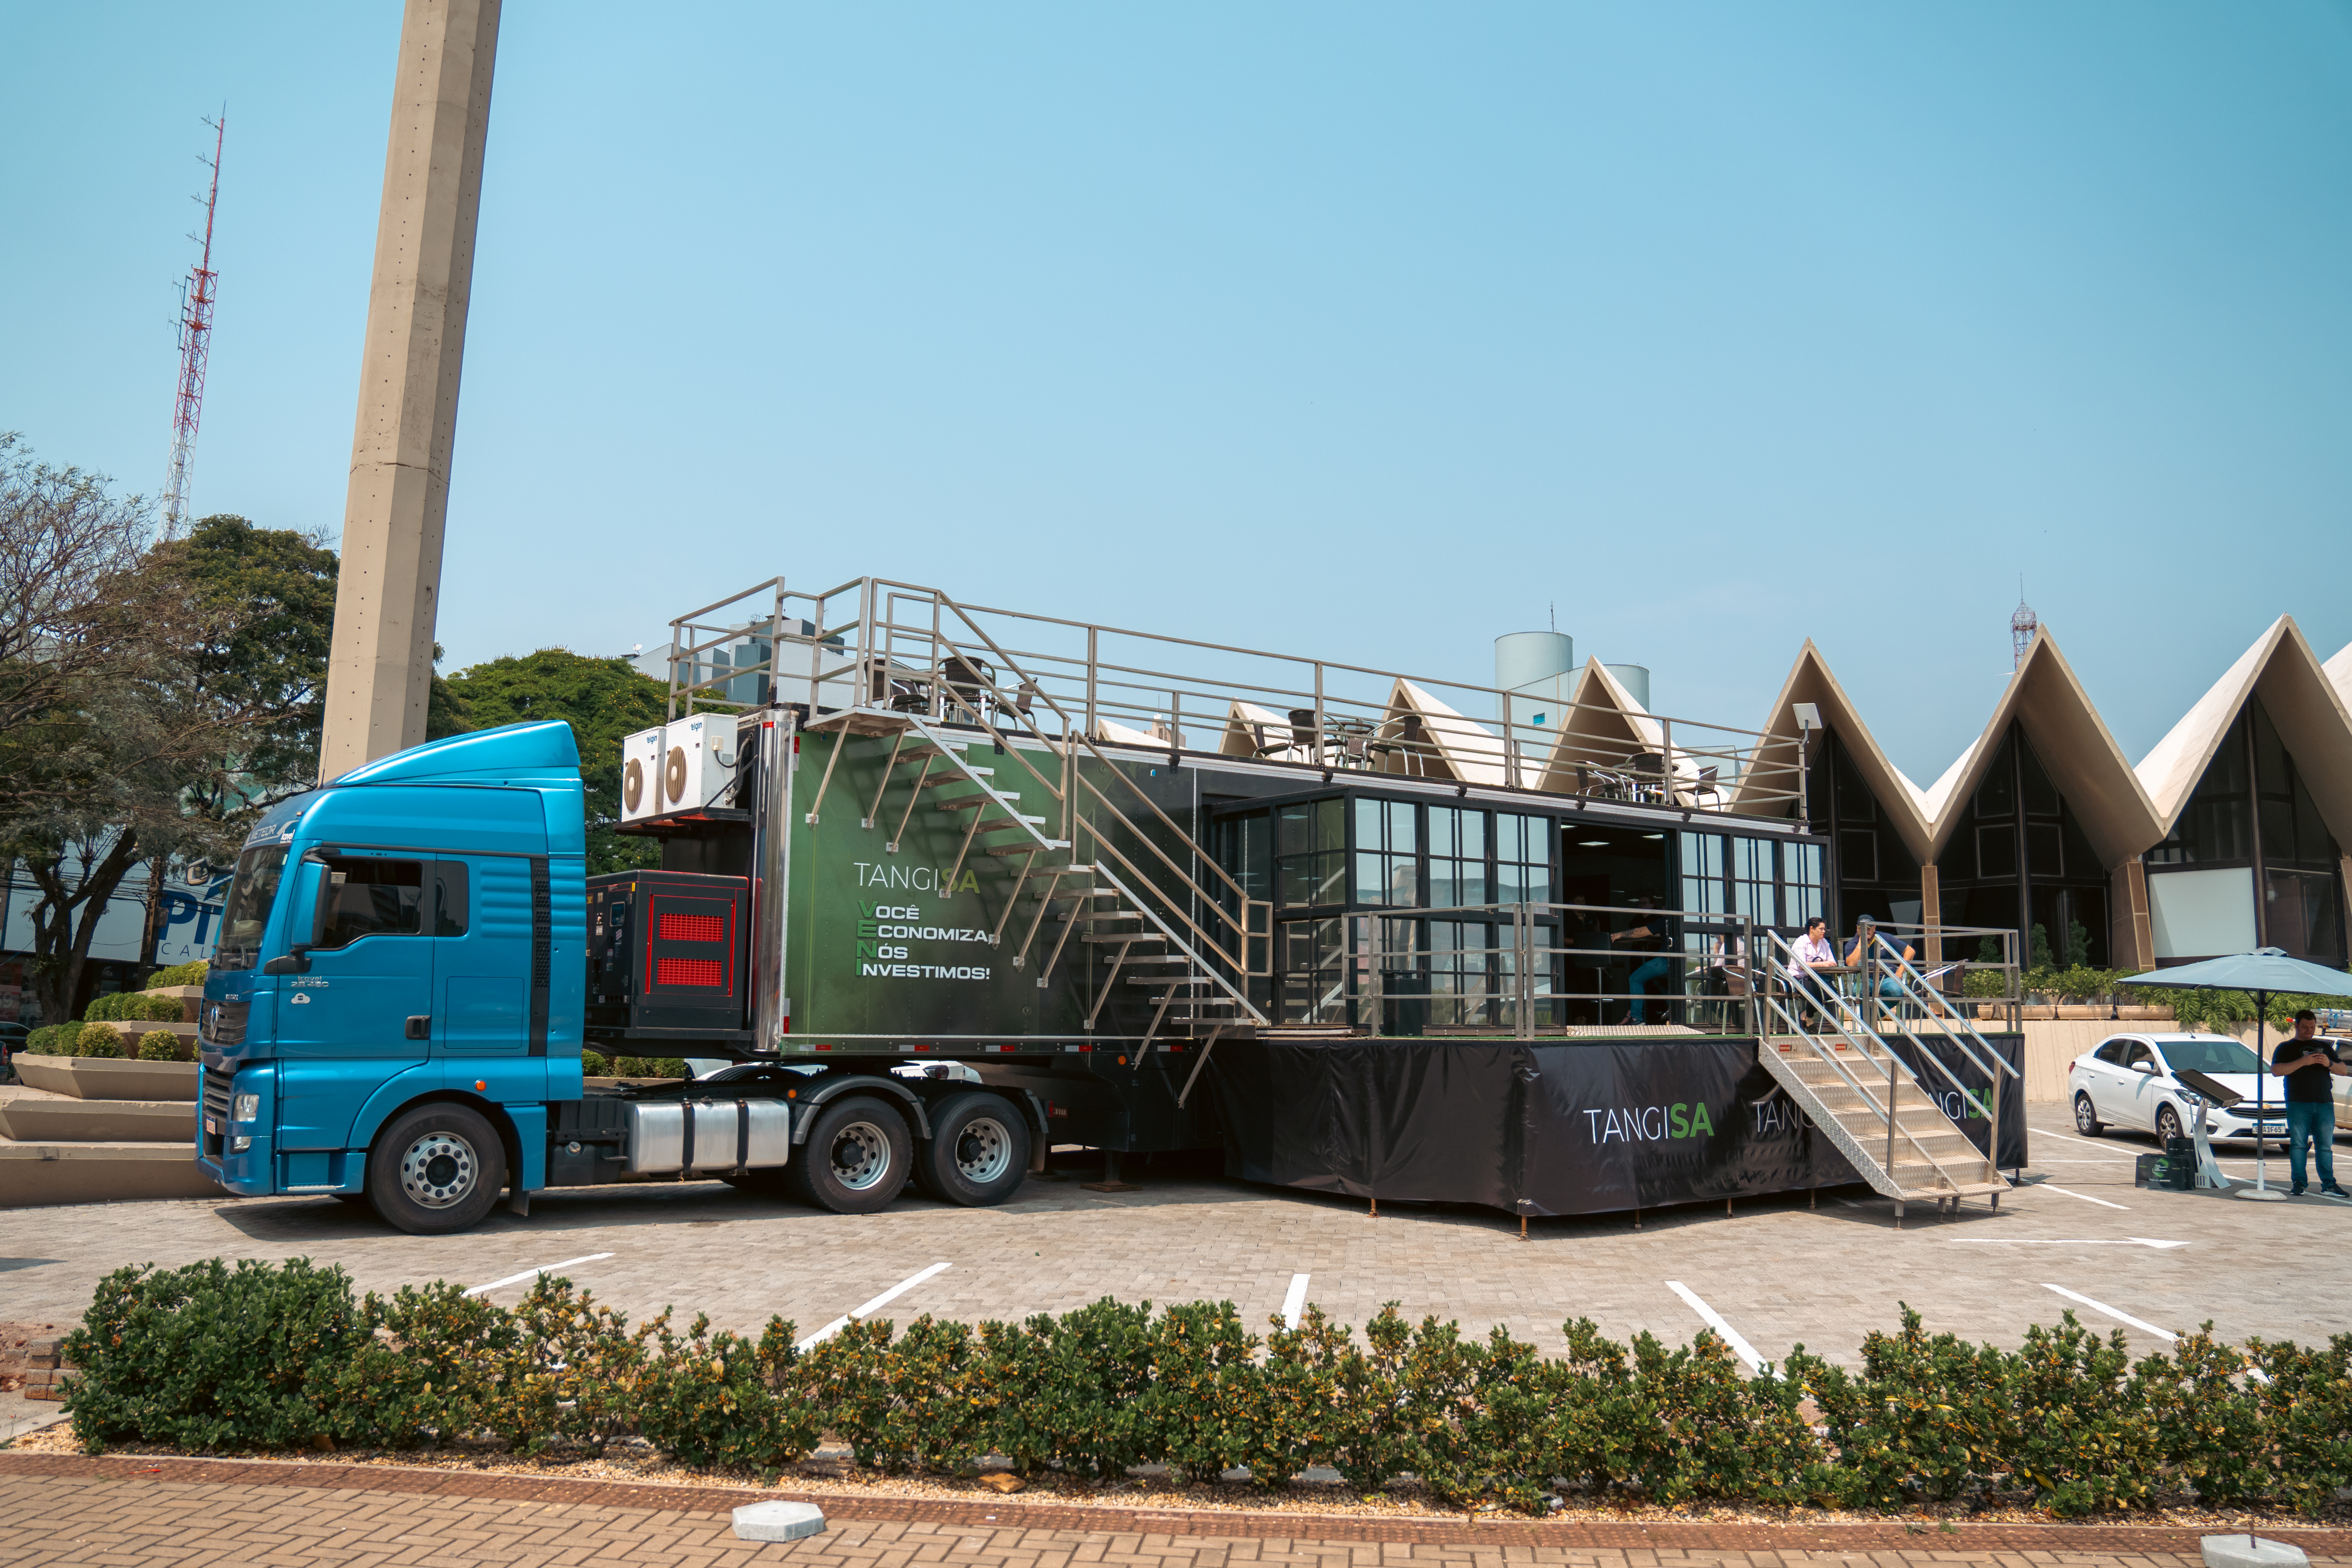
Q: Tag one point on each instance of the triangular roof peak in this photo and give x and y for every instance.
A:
(2045, 700)
(1774, 770)
(2306, 702)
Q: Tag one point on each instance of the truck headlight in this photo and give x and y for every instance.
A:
(239, 1145)
(245, 1108)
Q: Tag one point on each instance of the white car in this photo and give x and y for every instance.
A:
(2127, 1081)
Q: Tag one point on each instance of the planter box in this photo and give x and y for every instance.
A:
(95, 1078)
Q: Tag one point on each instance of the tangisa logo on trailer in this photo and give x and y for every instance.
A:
(1650, 1124)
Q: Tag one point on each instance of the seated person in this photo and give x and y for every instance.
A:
(1809, 953)
(1653, 935)
(1865, 930)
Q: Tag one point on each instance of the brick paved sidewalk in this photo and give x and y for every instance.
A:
(57, 1509)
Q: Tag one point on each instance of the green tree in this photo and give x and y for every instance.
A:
(603, 700)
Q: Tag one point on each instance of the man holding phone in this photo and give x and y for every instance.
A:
(2305, 1062)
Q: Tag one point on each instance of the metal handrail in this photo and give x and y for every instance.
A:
(1829, 1005)
(1769, 771)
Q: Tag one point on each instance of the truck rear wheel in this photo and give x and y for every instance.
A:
(436, 1169)
(978, 1151)
(856, 1160)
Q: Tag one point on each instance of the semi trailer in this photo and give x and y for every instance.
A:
(941, 888)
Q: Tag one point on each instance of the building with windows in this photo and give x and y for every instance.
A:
(2228, 835)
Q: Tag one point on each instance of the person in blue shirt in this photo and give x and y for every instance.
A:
(1864, 931)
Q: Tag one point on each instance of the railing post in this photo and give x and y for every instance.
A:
(1319, 710)
(1666, 759)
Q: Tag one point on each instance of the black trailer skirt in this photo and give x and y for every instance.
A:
(1587, 1127)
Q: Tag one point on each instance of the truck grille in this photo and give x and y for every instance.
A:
(215, 1111)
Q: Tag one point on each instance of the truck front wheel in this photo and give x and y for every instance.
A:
(436, 1169)
(978, 1151)
(857, 1157)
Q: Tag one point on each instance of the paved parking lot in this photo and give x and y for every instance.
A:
(1775, 1271)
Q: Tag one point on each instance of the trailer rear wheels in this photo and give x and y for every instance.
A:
(857, 1157)
(979, 1150)
(437, 1169)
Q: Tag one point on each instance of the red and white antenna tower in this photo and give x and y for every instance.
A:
(196, 297)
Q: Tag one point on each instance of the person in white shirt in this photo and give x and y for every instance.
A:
(1812, 950)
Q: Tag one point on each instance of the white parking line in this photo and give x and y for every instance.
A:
(2037, 1241)
(1295, 1302)
(1731, 1336)
(2047, 1187)
(531, 1273)
(860, 1313)
(2125, 1318)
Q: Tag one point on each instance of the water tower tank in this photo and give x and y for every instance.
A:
(1634, 678)
(1538, 670)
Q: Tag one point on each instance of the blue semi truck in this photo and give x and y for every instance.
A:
(411, 959)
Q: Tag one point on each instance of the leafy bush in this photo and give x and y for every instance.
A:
(720, 1399)
(630, 1067)
(101, 1008)
(179, 974)
(1988, 983)
(592, 1065)
(207, 1357)
(140, 1007)
(98, 1040)
(275, 1356)
(669, 1067)
(159, 1045)
(52, 1040)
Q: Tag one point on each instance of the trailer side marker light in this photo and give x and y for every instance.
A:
(480, 1084)
(1122, 1061)
(825, 1048)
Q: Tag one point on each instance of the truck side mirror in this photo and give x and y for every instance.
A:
(296, 960)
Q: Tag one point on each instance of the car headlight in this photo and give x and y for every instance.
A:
(245, 1108)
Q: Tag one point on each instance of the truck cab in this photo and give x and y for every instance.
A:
(396, 995)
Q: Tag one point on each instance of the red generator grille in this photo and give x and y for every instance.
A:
(691, 927)
(689, 972)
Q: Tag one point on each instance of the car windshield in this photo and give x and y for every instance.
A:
(250, 897)
(2210, 1056)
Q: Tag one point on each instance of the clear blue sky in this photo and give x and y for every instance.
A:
(1354, 329)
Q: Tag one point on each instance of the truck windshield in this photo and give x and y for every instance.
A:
(259, 871)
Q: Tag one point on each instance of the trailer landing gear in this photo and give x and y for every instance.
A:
(1110, 1181)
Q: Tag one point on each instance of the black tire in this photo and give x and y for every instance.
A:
(856, 1160)
(2086, 1116)
(2168, 1125)
(436, 1169)
(979, 1150)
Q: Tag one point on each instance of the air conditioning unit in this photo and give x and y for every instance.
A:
(698, 758)
(641, 768)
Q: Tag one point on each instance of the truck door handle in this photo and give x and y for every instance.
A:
(420, 1027)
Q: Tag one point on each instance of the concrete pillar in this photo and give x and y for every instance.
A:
(1931, 914)
(2131, 940)
(380, 670)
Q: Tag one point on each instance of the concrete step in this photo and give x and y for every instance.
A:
(30, 1117)
(40, 1176)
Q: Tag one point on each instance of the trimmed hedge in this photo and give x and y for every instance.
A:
(159, 1045)
(263, 1356)
(180, 974)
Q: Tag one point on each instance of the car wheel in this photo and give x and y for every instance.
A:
(2168, 1125)
(978, 1151)
(857, 1157)
(436, 1169)
(2087, 1117)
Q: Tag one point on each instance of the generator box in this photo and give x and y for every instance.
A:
(2165, 1172)
(668, 954)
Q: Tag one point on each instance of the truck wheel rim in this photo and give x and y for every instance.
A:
(438, 1171)
(984, 1149)
(861, 1156)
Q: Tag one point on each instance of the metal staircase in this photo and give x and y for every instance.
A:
(1055, 896)
(1875, 1107)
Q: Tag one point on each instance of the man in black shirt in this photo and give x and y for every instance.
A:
(2305, 1062)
